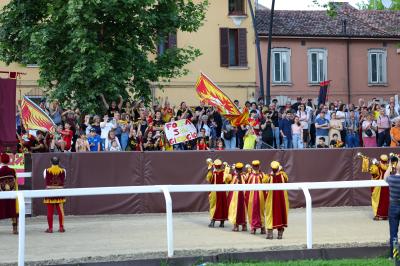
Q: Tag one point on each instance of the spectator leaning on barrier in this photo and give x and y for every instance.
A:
(285, 126)
(383, 125)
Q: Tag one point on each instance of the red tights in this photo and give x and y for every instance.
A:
(50, 213)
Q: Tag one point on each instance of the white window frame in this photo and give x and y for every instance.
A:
(324, 53)
(281, 51)
(379, 80)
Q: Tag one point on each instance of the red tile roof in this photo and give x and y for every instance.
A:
(348, 22)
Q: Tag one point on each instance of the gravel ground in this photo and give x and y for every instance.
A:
(127, 237)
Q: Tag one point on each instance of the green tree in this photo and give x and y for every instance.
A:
(377, 5)
(88, 47)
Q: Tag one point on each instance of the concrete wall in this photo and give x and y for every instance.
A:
(337, 68)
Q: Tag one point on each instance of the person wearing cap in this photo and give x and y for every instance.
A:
(236, 202)
(54, 179)
(255, 200)
(94, 140)
(277, 203)
(218, 201)
(8, 182)
(380, 195)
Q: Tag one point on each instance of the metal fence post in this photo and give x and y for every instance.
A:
(170, 224)
(308, 216)
(21, 228)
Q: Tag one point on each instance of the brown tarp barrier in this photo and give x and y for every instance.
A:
(7, 113)
(189, 167)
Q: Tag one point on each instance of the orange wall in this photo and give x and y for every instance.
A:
(337, 68)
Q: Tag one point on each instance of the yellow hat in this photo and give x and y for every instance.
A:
(239, 165)
(275, 165)
(218, 162)
(384, 158)
(255, 162)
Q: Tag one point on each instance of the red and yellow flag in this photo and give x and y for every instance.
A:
(34, 118)
(210, 94)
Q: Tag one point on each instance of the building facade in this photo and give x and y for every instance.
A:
(358, 50)
(226, 41)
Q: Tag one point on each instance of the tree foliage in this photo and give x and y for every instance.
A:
(377, 5)
(88, 47)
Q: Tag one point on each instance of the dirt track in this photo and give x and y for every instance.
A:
(122, 237)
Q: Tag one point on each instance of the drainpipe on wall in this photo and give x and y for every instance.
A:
(348, 71)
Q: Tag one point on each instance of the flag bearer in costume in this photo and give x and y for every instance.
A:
(55, 179)
(8, 182)
(236, 202)
(277, 203)
(380, 195)
(255, 200)
(218, 200)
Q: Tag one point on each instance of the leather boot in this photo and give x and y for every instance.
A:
(212, 223)
(221, 224)
(15, 228)
(253, 231)
(263, 230)
(235, 228)
(280, 233)
(244, 228)
(269, 234)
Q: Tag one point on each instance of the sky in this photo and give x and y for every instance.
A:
(300, 4)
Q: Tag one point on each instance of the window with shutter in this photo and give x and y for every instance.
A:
(224, 46)
(233, 46)
(377, 66)
(242, 47)
(236, 7)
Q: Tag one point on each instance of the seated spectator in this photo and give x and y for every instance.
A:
(395, 134)
(115, 145)
(110, 138)
(201, 144)
(321, 143)
(220, 145)
(82, 144)
(336, 142)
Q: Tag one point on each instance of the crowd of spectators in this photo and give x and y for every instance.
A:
(132, 126)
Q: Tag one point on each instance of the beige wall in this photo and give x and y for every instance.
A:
(337, 68)
(236, 83)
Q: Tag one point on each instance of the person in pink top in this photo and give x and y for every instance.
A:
(297, 134)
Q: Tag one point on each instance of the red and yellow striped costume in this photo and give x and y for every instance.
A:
(379, 195)
(55, 179)
(236, 199)
(255, 203)
(217, 200)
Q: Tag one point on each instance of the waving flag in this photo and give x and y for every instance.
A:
(210, 94)
(33, 117)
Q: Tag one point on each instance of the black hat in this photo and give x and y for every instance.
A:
(55, 160)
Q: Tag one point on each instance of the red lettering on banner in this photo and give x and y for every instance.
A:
(168, 125)
(187, 122)
(176, 132)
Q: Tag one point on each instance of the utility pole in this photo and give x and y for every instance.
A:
(259, 57)
(271, 21)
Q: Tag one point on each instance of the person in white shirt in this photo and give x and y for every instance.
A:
(105, 126)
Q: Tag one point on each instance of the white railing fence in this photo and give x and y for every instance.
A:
(167, 190)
